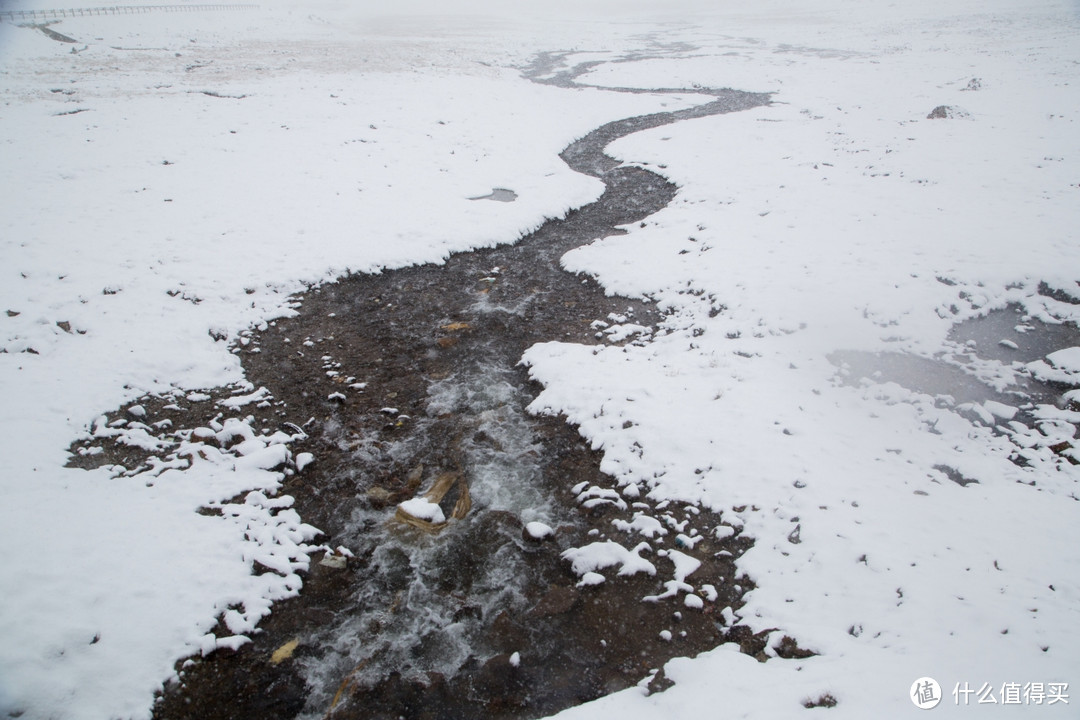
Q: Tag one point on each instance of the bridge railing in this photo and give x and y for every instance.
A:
(46, 15)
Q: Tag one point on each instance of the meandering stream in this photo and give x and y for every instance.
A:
(403, 377)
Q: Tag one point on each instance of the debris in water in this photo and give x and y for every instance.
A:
(426, 514)
(284, 652)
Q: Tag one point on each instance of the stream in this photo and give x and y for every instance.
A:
(407, 383)
(409, 378)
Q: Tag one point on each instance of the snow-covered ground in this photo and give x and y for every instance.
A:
(170, 178)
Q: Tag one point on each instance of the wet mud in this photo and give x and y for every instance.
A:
(409, 379)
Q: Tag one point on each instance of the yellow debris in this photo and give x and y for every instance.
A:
(284, 652)
(438, 490)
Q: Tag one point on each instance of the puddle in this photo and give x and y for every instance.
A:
(985, 378)
(498, 195)
(930, 376)
(400, 378)
(1009, 336)
(986, 364)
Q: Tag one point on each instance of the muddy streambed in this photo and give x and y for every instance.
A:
(401, 381)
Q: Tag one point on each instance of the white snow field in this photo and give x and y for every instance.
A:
(169, 179)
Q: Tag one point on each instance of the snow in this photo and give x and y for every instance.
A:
(423, 509)
(538, 530)
(684, 564)
(599, 555)
(1067, 360)
(591, 578)
(303, 460)
(1000, 410)
(219, 162)
(642, 523)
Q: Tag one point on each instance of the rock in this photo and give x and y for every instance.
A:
(794, 537)
(505, 633)
(501, 682)
(412, 480)
(942, 112)
(334, 561)
(559, 599)
(379, 497)
(659, 683)
(468, 613)
(788, 648)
